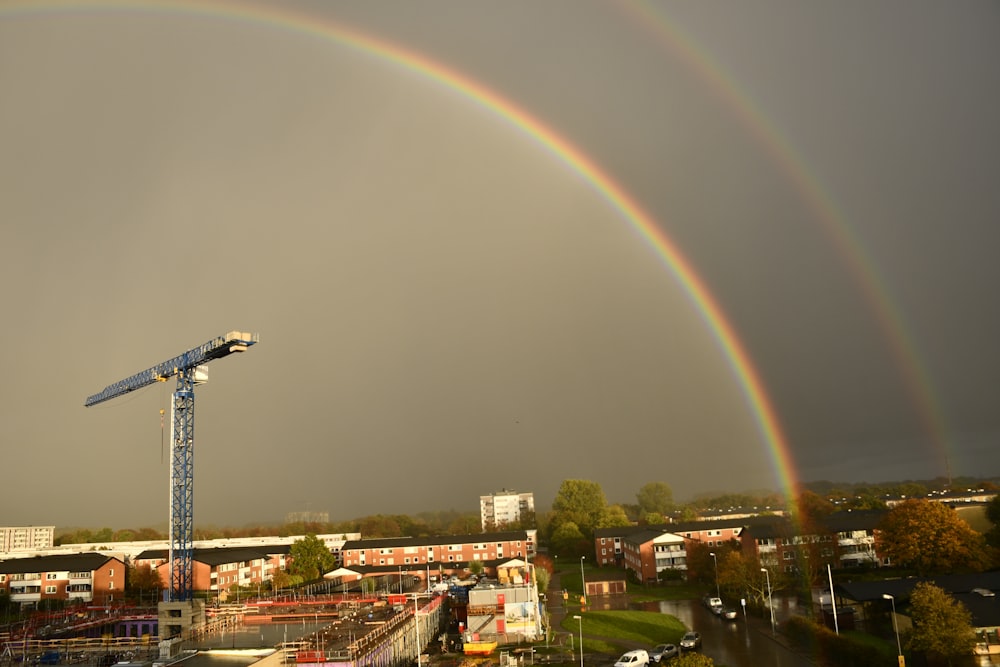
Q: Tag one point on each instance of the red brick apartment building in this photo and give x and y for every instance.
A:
(88, 577)
(445, 552)
(219, 569)
(609, 543)
(846, 539)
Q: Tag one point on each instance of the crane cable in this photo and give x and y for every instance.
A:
(162, 411)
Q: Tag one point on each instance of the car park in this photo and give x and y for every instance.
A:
(633, 659)
(690, 641)
(664, 652)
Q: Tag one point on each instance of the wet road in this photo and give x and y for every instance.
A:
(739, 643)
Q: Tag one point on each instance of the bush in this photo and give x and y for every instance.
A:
(829, 649)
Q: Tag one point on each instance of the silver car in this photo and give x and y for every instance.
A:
(690, 641)
(664, 652)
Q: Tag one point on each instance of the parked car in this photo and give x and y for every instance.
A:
(690, 641)
(728, 613)
(664, 652)
(714, 604)
(633, 659)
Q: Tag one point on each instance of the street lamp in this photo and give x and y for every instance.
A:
(769, 602)
(716, 561)
(580, 619)
(583, 582)
(895, 627)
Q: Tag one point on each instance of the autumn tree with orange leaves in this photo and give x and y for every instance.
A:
(930, 538)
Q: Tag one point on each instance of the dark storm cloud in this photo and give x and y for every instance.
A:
(444, 308)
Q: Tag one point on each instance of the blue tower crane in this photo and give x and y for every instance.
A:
(189, 369)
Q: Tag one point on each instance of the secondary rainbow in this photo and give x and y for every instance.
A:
(551, 141)
(833, 222)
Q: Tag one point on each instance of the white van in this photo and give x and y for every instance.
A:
(633, 659)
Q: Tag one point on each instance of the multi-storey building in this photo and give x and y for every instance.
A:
(26, 538)
(844, 539)
(610, 548)
(855, 531)
(88, 577)
(505, 508)
(445, 551)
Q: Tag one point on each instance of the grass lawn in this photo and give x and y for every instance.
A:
(643, 626)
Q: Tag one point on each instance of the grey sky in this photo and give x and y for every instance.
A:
(445, 309)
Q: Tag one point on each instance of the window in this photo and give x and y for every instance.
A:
(49, 590)
(111, 572)
(51, 576)
(788, 555)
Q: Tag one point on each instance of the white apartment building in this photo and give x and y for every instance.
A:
(504, 509)
(26, 538)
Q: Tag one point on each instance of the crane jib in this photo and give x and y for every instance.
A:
(221, 346)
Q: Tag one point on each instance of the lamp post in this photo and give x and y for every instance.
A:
(899, 647)
(716, 561)
(583, 584)
(580, 620)
(769, 602)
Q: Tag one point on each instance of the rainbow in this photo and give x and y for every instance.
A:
(544, 136)
(833, 221)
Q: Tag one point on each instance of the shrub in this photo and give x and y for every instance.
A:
(829, 649)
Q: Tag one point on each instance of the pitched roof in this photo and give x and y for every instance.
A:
(866, 591)
(691, 526)
(849, 520)
(84, 562)
(644, 536)
(433, 541)
(220, 555)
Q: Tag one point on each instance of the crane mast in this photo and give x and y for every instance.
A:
(190, 370)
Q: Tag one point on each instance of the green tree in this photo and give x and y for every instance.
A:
(567, 540)
(280, 580)
(653, 519)
(930, 538)
(310, 558)
(476, 567)
(542, 578)
(942, 626)
(655, 497)
(613, 516)
(581, 502)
